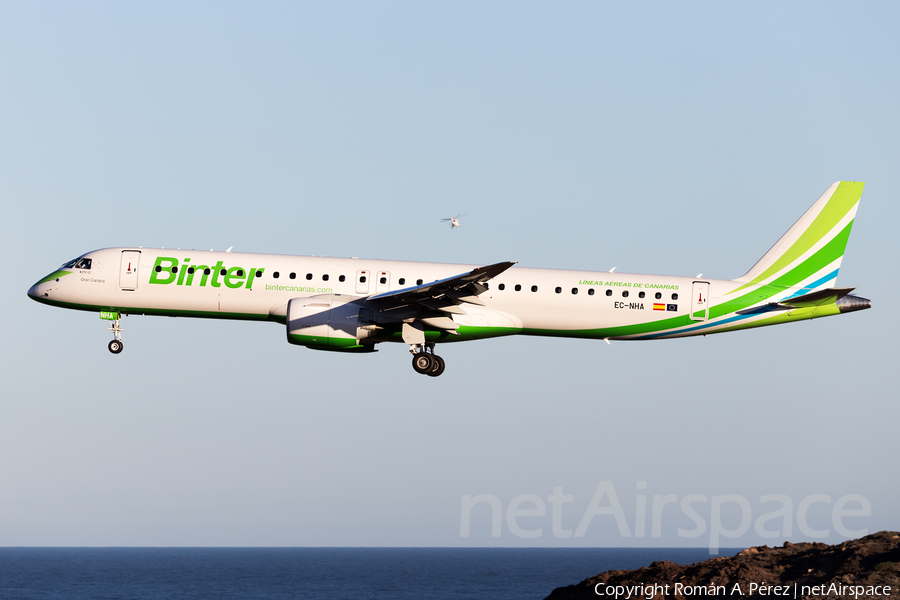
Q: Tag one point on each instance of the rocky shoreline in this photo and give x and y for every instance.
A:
(859, 569)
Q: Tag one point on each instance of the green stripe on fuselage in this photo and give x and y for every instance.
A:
(53, 275)
(826, 255)
(844, 198)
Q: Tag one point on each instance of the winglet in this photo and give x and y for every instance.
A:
(482, 274)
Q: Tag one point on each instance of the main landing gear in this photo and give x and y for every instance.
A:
(424, 362)
(116, 345)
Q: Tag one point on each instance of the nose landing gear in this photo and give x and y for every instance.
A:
(426, 363)
(116, 345)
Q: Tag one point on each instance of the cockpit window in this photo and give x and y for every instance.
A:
(78, 263)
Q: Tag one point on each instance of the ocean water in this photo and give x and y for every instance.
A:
(313, 573)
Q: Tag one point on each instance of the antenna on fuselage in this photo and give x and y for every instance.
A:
(229, 248)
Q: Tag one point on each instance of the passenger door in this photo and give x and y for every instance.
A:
(700, 301)
(128, 270)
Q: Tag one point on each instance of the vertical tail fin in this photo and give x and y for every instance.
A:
(809, 254)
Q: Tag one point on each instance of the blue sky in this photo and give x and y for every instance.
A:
(650, 137)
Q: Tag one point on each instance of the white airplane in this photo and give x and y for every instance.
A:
(351, 305)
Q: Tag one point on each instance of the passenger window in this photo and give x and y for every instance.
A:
(190, 270)
(274, 275)
(558, 290)
(342, 278)
(501, 287)
(518, 287)
(362, 278)
(383, 280)
(207, 271)
(293, 276)
(222, 272)
(418, 282)
(658, 296)
(534, 288)
(158, 269)
(174, 269)
(624, 293)
(641, 294)
(402, 281)
(258, 273)
(674, 296)
(590, 291)
(240, 273)
(574, 291)
(609, 292)
(308, 276)
(324, 277)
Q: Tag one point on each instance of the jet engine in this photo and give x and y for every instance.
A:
(326, 322)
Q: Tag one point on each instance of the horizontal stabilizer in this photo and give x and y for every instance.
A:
(819, 298)
(813, 299)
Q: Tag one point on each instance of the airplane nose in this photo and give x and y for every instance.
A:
(33, 292)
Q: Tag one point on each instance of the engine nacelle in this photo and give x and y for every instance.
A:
(325, 322)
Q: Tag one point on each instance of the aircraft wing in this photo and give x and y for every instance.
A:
(430, 304)
(458, 286)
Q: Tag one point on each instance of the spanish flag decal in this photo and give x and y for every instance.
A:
(657, 306)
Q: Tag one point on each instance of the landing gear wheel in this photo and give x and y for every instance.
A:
(438, 366)
(422, 363)
(115, 346)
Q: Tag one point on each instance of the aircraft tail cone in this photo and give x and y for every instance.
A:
(853, 303)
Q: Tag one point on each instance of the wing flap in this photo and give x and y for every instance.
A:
(445, 323)
(444, 305)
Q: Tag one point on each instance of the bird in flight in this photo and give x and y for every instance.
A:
(454, 221)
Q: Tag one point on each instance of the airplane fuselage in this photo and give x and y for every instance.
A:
(258, 287)
(352, 304)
